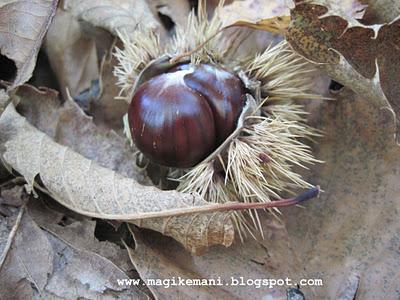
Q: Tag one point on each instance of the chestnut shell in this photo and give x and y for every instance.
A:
(178, 118)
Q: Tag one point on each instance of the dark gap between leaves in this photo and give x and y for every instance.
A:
(335, 86)
(43, 74)
(8, 69)
(105, 231)
(166, 21)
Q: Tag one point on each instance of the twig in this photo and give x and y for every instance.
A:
(11, 236)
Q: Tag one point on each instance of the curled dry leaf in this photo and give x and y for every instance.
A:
(249, 12)
(71, 53)
(255, 10)
(381, 11)
(353, 231)
(20, 270)
(87, 188)
(356, 55)
(272, 257)
(67, 124)
(176, 10)
(106, 110)
(40, 264)
(114, 16)
(23, 25)
(79, 233)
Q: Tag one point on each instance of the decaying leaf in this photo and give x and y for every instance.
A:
(106, 110)
(354, 230)
(41, 264)
(78, 232)
(380, 11)
(71, 53)
(249, 41)
(272, 16)
(356, 55)
(87, 188)
(176, 10)
(254, 10)
(23, 25)
(114, 16)
(274, 257)
(20, 268)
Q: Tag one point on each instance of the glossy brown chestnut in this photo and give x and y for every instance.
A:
(178, 118)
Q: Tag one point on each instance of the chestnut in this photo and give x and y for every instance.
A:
(180, 117)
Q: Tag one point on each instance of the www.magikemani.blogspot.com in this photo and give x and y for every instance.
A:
(218, 281)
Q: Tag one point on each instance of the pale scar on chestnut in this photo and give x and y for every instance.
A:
(180, 117)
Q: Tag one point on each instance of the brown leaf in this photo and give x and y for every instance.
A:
(272, 258)
(72, 54)
(20, 269)
(249, 12)
(354, 228)
(254, 10)
(68, 125)
(36, 263)
(87, 188)
(23, 25)
(106, 110)
(80, 273)
(113, 15)
(274, 25)
(380, 11)
(272, 16)
(78, 232)
(356, 55)
(176, 10)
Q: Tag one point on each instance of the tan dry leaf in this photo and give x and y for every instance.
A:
(113, 15)
(356, 55)
(71, 53)
(84, 274)
(255, 10)
(68, 125)
(79, 233)
(20, 273)
(353, 230)
(177, 10)
(23, 25)
(87, 188)
(274, 257)
(107, 111)
(249, 42)
(41, 265)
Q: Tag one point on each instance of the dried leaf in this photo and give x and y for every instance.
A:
(20, 269)
(248, 13)
(274, 257)
(380, 11)
(68, 125)
(354, 228)
(41, 264)
(80, 273)
(72, 54)
(80, 233)
(254, 10)
(22, 27)
(356, 55)
(106, 110)
(87, 188)
(176, 10)
(114, 16)
(274, 25)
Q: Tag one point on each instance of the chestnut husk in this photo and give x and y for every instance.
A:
(270, 124)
